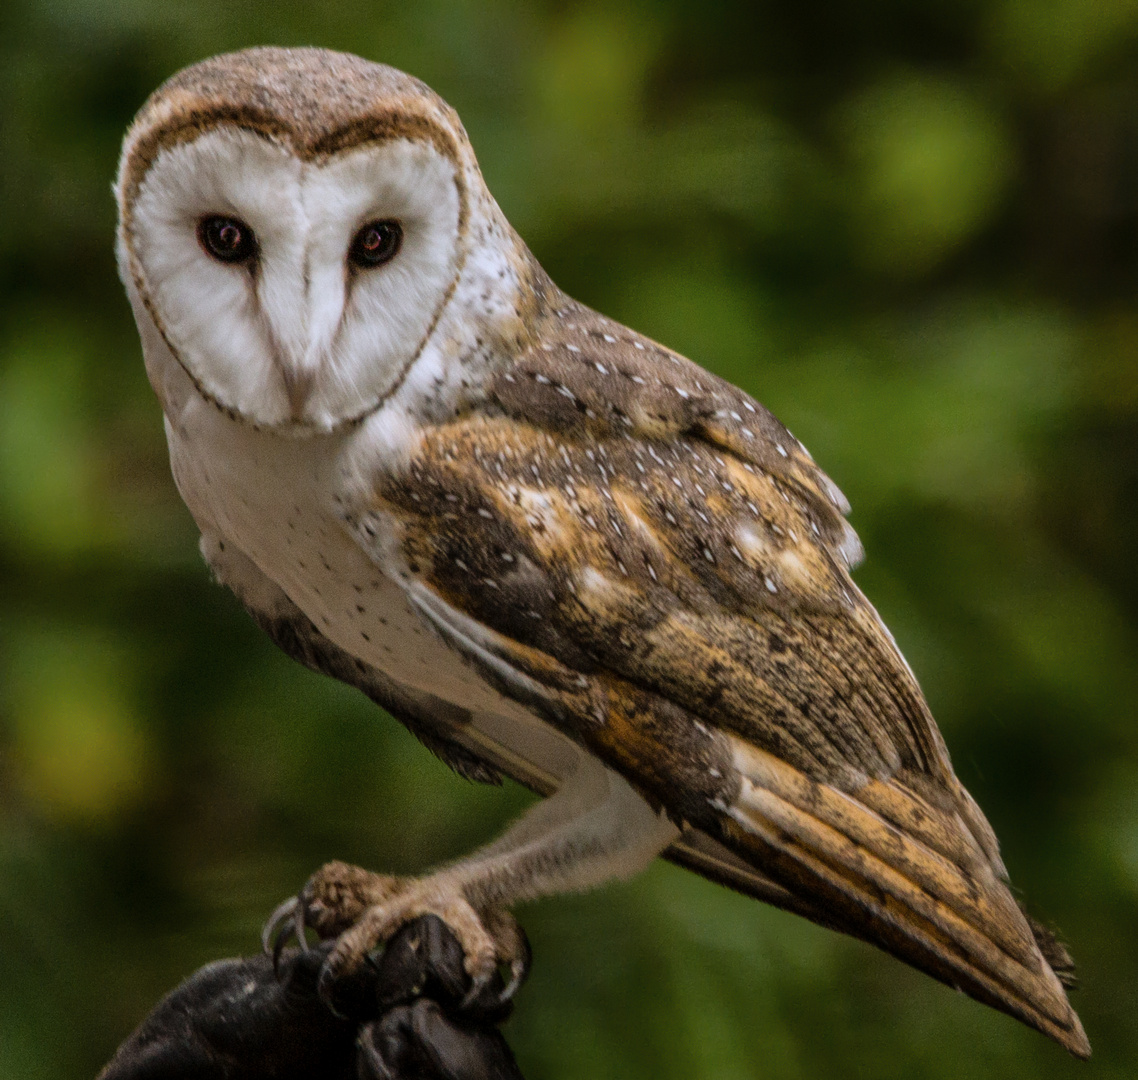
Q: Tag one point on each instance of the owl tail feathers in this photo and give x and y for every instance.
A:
(886, 865)
(1054, 952)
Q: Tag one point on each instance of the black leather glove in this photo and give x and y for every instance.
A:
(402, 1017)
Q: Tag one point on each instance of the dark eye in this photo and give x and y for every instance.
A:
(376, 243)
(227, 239)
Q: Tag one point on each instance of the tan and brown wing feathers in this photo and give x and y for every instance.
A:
(590, 373)
(645, 556)
(926, 894)
(602, 556)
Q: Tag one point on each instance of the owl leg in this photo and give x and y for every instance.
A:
(593, 829)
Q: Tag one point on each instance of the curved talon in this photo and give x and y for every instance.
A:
(477, 985)
(519, 969)
(299, 926)
(270, 933)
(284, 925)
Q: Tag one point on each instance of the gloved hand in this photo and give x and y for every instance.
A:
(402, 1017)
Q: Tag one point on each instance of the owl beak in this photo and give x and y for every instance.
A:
(298, 384)
(309, 331)
(303, 320)
(297, 375)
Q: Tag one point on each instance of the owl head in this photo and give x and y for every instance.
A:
(293, 224)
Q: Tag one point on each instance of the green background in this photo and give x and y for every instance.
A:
(910, 228)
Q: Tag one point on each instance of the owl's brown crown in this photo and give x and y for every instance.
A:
(318, 101)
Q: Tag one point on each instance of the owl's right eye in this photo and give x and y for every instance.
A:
(227, 239)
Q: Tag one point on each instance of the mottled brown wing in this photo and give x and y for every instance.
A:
(646, 557)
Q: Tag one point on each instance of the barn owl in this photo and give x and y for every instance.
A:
(553, 548)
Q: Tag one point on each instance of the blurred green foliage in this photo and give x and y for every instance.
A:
(910, 228)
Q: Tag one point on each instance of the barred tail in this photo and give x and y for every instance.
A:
(913, 878)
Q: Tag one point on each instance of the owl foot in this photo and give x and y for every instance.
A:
(363, 910)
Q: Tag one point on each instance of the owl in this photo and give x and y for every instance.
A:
(553, 548)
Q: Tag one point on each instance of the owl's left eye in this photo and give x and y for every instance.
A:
(376, 243)
(227, 239)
